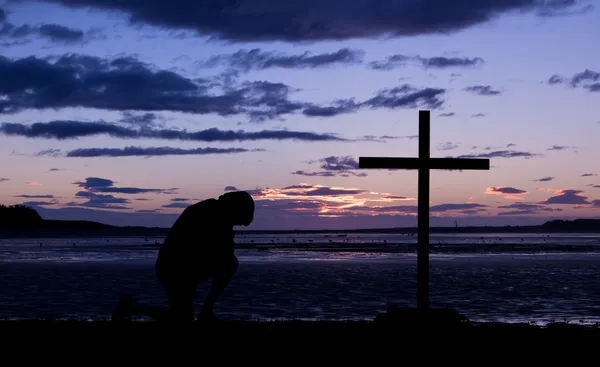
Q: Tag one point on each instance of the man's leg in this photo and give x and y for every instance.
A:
(223, 273)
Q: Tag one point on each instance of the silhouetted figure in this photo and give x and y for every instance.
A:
(200, 245)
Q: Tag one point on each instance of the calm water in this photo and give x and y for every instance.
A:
(489, 277)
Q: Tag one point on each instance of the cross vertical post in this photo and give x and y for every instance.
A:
(423, 212)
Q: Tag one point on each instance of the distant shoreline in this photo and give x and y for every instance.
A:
(71, 229)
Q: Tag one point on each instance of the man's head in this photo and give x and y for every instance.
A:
(238, 207)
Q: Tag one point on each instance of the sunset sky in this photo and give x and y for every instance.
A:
(125, 112)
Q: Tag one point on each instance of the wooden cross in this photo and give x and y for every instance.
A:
(423, 163)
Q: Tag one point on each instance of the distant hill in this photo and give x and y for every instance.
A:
(23, 221)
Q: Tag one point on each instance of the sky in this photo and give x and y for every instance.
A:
(127, 112)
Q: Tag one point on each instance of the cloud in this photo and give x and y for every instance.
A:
(35, 196)
(33, 183)
(132, 151)
(448, 146)
(483, 90)
(334, 166)
(99, 201)
(146, 120)
(62, 130)
(230, 188)
(439, 62)
(404, 96)
(596, 203)
(478, 115)
(450, 207)
(55, 169)
(313, 20)
(16, 36)
(104, 185)
(521, 208)
(407, 96)
(48, 153)
(507, 192)
(571, 197)
(125, 83)
(447, 114)
(588, 174)
(545, 179)
(500, 154)
(587, 79)
(2, 179)
(177, 203)
(256, 59)
(560, 147)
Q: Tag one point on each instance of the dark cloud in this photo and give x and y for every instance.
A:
(334, 166)
(587, 79)
(588, 174)
(407, 96)
(526, 209)
(75, 129)
(545, 179)
(449, 207)
(404, 96)
(132, 151)
(447, 114)
(125, 83)
(571, 197)
(176, 205)
(23, 33)
(103, 185)
(48, 153)
(101, 201)
(500, 154)
(314, 20)
(148, 211)
(596, 203)
(483, 90)
(336, 108)
(2, 179)
(230, 188)
(510, 145)
(506, 190)
(55, 169)
(478, 115)
(256, 59)
(35, 196)
(440, 62)
(38, 203)
(180, 199)
(147, 120)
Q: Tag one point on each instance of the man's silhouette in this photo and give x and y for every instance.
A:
(199, 246)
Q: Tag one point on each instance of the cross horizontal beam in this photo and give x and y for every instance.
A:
(431, 163)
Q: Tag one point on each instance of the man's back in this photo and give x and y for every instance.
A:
(200, 231)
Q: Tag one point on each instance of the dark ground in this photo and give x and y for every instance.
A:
(104, 330)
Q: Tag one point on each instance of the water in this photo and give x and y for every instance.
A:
(488, 277)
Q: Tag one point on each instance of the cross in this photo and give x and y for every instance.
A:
(423, 163)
